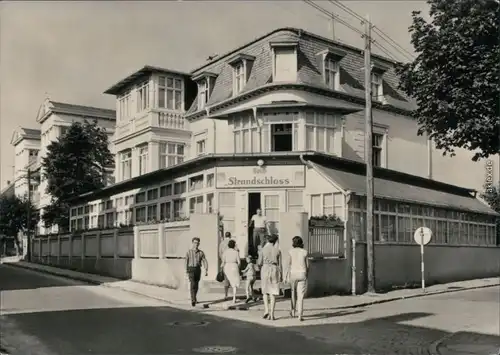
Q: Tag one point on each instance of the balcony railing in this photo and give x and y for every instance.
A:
(154, 118)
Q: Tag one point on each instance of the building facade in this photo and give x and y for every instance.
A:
(288, 91)
(278, 124)
(30, 145)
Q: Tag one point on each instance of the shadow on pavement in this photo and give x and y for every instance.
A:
(154, 330)
(389, 335)
(325, 315)
(14, 278)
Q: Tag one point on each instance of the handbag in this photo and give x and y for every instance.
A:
(220, 276)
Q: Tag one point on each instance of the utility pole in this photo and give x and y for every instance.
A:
(28, 222)
(369, 159)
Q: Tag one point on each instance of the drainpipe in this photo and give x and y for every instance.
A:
(207, 110)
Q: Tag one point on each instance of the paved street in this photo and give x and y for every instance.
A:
(45, 314)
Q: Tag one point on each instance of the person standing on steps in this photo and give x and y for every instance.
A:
(195, 260)
(222, 248)
(259, 223)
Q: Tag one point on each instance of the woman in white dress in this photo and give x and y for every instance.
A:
(270, 275)
(231, 266)
(297, 275)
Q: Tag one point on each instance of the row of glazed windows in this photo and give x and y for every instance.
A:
(397, 221)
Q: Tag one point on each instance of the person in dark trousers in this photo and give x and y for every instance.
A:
(195, 260)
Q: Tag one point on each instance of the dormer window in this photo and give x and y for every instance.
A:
(242, 66)
(332, 74)
(377, 71)
(203, 94)
(284, 61)
(376, 87)
(329, 66)
(239, 77)
(206, 81)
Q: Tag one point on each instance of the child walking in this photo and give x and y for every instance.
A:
(250, 274)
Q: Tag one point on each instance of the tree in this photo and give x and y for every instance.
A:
(14, 216)
(455, 78)
(75, 164)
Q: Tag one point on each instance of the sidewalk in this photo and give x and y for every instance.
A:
(212, 300)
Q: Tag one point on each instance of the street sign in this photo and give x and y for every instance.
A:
(422, 236)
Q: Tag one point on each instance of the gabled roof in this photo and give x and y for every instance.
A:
(24, 133)
(140, 74)
(48, 107)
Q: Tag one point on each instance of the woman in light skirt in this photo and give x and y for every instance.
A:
(270, 261)
(231, 266)
(297, 276)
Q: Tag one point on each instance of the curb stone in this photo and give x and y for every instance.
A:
(246, 308)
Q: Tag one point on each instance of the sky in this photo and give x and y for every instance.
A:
(72, 51)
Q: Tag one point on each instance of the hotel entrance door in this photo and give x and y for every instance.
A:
(254, 203)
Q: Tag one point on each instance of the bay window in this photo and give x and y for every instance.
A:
(126, 164)
(125, 107)
(171, 154)
(143, 97)
(170, 93)
(320, 131)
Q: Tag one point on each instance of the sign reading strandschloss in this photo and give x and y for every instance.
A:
(266, 176)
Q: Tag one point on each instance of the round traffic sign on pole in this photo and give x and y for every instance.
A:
(422, 236)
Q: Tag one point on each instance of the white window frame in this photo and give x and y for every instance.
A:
(125, 106)
(203, 93)
(327, 128)
(164, 90)
(378, 148)
(377, 91)
(201, 146)
(126, 164)
(240, 130)
(143, 159)
(143, 97)
(165, 154)
(239, 77)
(332, 73)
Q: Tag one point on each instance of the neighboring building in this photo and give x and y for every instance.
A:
(26, 142)
(31, 145)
